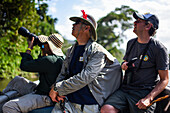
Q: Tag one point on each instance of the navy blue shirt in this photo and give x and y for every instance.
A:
(83, 95)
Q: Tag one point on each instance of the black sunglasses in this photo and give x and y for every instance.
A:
(78, 21)
(138, 21)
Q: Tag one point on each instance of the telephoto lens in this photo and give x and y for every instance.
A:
(25, 32)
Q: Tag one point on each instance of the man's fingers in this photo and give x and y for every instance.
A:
(60, 98)
(55, 100)
(32, 39)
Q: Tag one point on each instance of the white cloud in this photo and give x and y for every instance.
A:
(87, 2)
(100, 8)
(53, 10)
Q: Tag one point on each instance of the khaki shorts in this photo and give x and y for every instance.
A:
(26, 103)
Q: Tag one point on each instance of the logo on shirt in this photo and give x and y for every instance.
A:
(146, 58)
(81, 59)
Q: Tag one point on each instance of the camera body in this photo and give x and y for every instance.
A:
(132, 61)
(129, 73)
(25, 32)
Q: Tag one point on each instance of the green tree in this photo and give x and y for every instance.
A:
(111, 29)
(13, 15)
(46, 22)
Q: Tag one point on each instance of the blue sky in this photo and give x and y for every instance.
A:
(63, 9)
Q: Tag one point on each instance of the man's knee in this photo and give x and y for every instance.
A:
(109, 109)
(10, 107)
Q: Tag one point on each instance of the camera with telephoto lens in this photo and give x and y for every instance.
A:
(25, 32)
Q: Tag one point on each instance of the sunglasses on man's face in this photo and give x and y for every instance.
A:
(77, 22)
(139, 21)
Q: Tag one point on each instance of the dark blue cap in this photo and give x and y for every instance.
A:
(148, 17)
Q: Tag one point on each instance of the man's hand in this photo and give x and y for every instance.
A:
(55, 96)
(160, 86)
(30, 45)
(143, 103)
(124, 66)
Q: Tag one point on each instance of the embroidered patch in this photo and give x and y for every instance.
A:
(146, 58)
(81, 59)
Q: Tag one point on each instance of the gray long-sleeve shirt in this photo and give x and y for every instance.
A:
(101, 72)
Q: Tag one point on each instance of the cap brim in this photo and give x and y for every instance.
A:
(94, 37)
(137, 15)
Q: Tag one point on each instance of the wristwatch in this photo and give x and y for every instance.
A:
(55, 89)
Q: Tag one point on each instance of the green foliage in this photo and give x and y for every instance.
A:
(65, 46)
(13, 15)
(46, 22)
(33, 16)
(111, 29)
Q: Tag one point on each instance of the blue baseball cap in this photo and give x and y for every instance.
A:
(148, 17)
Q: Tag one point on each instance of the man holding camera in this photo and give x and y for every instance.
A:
(89, 73)
(48, 65)
(141, 84)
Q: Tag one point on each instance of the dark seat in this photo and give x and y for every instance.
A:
(43, 110)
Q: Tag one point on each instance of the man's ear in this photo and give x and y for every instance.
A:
(148, 26)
